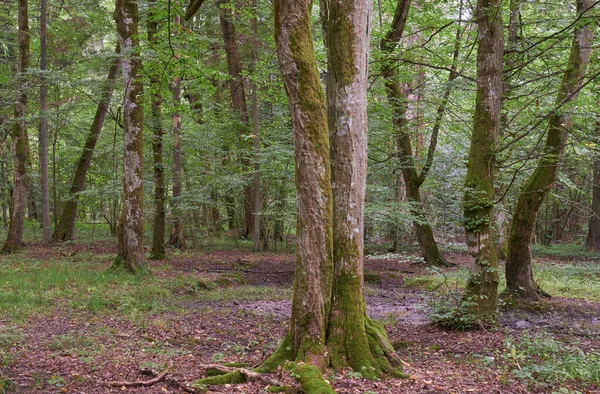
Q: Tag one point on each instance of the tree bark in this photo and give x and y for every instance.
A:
(20, 143)
(177, 238)
(43, 135)
(65, 229)
(256, 198)
(238, 99)
(412, 179)
(130, 231)
(158, 233)
(353, 339)
(481, 294)
(593, 238)
(519, 277)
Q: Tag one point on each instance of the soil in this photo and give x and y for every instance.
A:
(437, 361)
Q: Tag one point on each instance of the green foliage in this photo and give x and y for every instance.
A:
(542, 358)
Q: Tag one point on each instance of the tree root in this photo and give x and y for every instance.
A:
(234, 375)
(144, 383)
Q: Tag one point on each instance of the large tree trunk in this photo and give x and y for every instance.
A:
(481, 294)
(20, 143)
(131, 227)
(593, 238)
(519, 276)
(238, 99)
(353, 339)
(328, 307)
(65, 229)
(177, 237)
(43, 135)
(412, 179)
(158, 235)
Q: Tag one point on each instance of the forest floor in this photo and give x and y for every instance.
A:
(68, 325)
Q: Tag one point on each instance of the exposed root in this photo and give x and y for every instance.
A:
(311, 379)
(234, 375)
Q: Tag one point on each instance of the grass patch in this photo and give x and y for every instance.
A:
(571, 250)
(542, 358)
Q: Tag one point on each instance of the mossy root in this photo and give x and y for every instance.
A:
(311, 380)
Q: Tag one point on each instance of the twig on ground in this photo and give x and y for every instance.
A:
(143, 383)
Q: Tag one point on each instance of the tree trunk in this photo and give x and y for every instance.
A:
(328, 307)
(353, 339)
(481, 294)
(65, 229)
(20, 144)
(412, 179)
(158, 235)
(593, 238)
(256, 180)
(43, 138)
(131, 227)
(238, 99)
(519, 276)
(177, 238)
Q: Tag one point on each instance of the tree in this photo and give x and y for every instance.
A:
(593, 238)
(131, 226)
(20, 143)
(65, 229)
(158, 235)
(481, 294)
(43, 135)
(519, 276)
(328, 307)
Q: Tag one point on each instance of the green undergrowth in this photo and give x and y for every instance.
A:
(541, 359)
(83, 283)
(569, 251)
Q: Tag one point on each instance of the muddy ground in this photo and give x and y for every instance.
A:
(247, 331)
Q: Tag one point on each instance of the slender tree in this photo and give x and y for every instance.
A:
(481, 294)
(43, 135)
(20, 143)
(65, 229)
(130, 231)
(519, 276)
(593, 237)
(158, 235)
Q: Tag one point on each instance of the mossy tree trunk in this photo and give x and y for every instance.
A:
(593, 238)
(353, 339)
(481, 293)
(519, 277)
(158, 229)
(177, 236)
(131, 226)
(397, 98)
(238, 100)
(20, 143)
(43, 134)
(65, 229)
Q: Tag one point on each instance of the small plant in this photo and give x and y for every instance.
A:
(56, 380)
(354, 375)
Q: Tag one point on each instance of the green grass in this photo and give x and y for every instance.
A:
(571, 250)
(561, 280)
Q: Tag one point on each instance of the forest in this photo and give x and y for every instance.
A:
(299, 196)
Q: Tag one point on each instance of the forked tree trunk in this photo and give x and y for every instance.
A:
(20, 143)
(177, 237)
(158, 229)
(238, 99)
(412, 179)
(130, 231)
(328, 307)
(519, 276)
(43, 135)
(481, 293)
(593, 238)
(65, 229)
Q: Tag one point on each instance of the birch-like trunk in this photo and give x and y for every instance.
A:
(131, 227)
(519, 276)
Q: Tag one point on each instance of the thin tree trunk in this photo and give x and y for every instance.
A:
(20, 144)
(519, 275)
(256, 181)
(412, 179)
(65, 229)
(43, 136)
(593, 238)
(177, 238)
(130, 231)
(158, 235)
(481, 295)
(238, 99)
